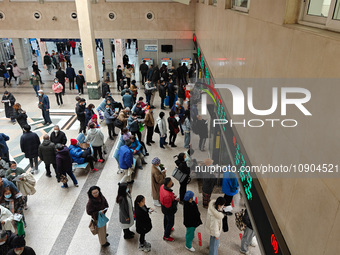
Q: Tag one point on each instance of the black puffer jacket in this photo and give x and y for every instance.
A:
(21, 117)
(47, 152)
(143, 221)
(29, 143)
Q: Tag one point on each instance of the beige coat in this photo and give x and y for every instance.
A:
(213, 225)
(149, 120)
(123, 117)
(26, 186)
(157, 179)
(7, 217)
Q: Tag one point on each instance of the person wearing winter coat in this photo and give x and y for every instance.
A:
(134, 90)
(37, 71)
(58, 136)
(89, 113)
(162, 130)
(191, 218)
(213, 224)
(20, 115)
(126, 161)
(202, 127)
(110, 116)
(133, 125)
(6, 238)
(181, 93)
(182, 166)
(17, 73)
(143, 68)
(80, 111)
(64, 164)
(171, 92)
(125, 210)
(80, 81)
(186, 128)
(6, 218)
(169, 207)
(13, 201)
(162, 93)
(58, 90)
(77, 155)
(136, 148)
(96, 205)
(105, 88)
(123, 116)
(29, 143)
(19, 247)
(128, 72)
(13, 171)
(209, 181)
(149, 123)
(229, 188)
(127, 100)
(44, 105)
(9, 100)
(143, 222)
(173, 128)
(248, 234)
(179, 112)
(93, 120)
(4, 74)
(4, 147)
(47, 153)
(95, 137)
(158, 175)
(71, 75)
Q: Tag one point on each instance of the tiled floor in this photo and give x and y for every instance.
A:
(56, 218)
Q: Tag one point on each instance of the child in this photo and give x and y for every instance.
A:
(191, 218)
(143, 222)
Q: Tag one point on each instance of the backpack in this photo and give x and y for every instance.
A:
(118, 123)
(239, 220)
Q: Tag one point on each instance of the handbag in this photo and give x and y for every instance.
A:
(20, 228)
(102, 220)
(157, 129)
(63, 178)
(93, 227)
(179, 175)
(6, 75)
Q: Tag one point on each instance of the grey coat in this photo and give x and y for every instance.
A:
(126, 212)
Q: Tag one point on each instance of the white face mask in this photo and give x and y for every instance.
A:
(18, 252)
(1, 243)
(56, 131)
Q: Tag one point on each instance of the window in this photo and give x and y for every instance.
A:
(322, 12)
(241, 5)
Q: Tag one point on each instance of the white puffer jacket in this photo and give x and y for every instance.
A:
(213, 225)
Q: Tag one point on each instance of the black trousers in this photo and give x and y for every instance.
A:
(111, 129)
(71, 83)
(48, 169)
(139, 135)
(149, 135)
(143, 78)
(142, 238)
(128, 81)
(82, 126)
(228, 199)
(96, 151)
(35, 163)
(59, 97)
(172, 138)
(90, 160)
(183, 188)
(171, 100)
(81, 88)
(63, 83)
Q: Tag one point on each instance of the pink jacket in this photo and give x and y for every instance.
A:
(57, 87)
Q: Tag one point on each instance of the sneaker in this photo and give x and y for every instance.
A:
(106, 244)
(169, 239)
(253, 244)
(128, 236)
(111, 138)
(245, 252)
(149, 144)
(192, 249)
(147, 154)
(64, 187)
(32, 171)
(100, 160)
(94, 170)
(49, 175)
(140, 167)
(173, 145)
(157, 204)
(146, 244)
(152, 141)
(141, 247)
(172, 229)
(76, 185)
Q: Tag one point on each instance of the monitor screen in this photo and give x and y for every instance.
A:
(166, 48)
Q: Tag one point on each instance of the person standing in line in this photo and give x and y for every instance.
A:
(143, 222)
(29, 144)
(192, 71)
(125, 60)
(48, 63)
(144, 71)
(169, 207)
(80, 111)
(119, 75)
(171, 93)
(71, 75)
(58, 89)
(9, 100)
(213, 224)
(96, 205)
(47, 153)
(125, 210)
(61, 76)
(126, 162)
(202, 127)
(162, 93)
(73, 46)
(128, 73)
(89, 113)
(58, 136)
(173, 128)
(149, 123)
(248, 234)
(209, 181)
(35, 82)
(95, 137)
(64, 164)
(20, 115)
(181, 93)
(162, 130)
(229, 188)
(105, 87)
(62, 60)
(17, 73)
(44, 105)
(186, 128)
(179, 112)
(37, 71)
(80, 82)
(191, 219)
(134, 90)
(10, 72)
(110, 116)
(157, 179)
(182, 166)
(4, 74)
(4, 148)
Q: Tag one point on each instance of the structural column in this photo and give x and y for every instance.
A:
(22, 55)
(108, 59)
(89, 48)
(120, 51)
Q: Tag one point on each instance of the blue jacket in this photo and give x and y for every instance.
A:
(132, 125)
(70, 73)
(179, 111)
(76, 154)
(3, 139)
(135, 146)
(109, 116)
(128, 101)
(7, 183)
(229, 184)
(125, 157)
(45, 102)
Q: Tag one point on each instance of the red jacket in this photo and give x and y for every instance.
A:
(73, 44)
(167, 198)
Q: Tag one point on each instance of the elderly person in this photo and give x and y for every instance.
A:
(44, 105)
(78, 156)
(123, 116)
(96, 138)
(29, 143)
(47, 153)
(158, 174)
(58, 136)
(5, 241)
(126, 161)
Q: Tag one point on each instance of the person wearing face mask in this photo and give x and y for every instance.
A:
(6, 218)
(13, 171)
(5, 241)
(169, 207)
(44, 105)
(58, 90)
(80, 111)
(110, 116)
(179, 112)
(213, 224)
(13, 201)
(89, 113)
(182, 166)
(47, 153)
(125, 210)
(35, 82)
(20, 248)
(96, 205)
(29, 143)
(58, 136)
(149, 123)
(9, 100)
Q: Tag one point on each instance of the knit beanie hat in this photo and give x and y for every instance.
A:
(74, 141)
(189, 194)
